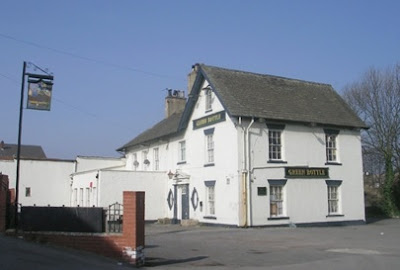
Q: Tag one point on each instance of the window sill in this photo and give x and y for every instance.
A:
(209, 165)
(181, 162)
(333, 163)
(278, 218)
(277, 161)
(210, 217)
(335, 215)
(209, 110)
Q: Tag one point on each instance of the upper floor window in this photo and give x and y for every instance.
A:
(182, 151)
(208, 94)
(210, 148)
(331, 145)
(135, 161)
(146, 162)
(209, 136)
(156, 159)
(275, 142)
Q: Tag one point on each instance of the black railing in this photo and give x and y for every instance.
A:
(115, 218)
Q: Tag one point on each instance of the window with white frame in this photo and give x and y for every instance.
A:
(156, 159)
(81, 197)
(208, 95)
(88, 197)
(210, 198)
(135, 161)
(209, 137)
(182, 151)
(275, 142)
(146, 162)
(75, 197)
(331, 145)
(333, 188)
(94, 196)
(276, 198)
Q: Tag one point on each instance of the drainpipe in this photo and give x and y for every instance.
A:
(243, 197)
(249, 215)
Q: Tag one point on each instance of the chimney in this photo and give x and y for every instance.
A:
(174, 102)
(192, 77)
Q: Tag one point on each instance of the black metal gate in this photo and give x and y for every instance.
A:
(115, 218)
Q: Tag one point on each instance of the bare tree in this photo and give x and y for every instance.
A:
(376, 99)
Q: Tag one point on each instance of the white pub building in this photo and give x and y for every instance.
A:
(244, 149)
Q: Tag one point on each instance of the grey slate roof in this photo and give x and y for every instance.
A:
(273, 98)
(9, 151)
(276, 98)
(165, 128)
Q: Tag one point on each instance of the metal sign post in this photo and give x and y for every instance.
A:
(46, 81)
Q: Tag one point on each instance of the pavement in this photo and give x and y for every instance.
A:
(372, 246)
(18, 254)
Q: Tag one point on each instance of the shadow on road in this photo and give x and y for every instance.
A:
(152, 262)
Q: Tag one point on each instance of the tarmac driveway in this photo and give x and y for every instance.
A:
(372, 246)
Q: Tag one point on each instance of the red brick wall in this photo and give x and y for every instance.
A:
(128, 245)
(3, 201)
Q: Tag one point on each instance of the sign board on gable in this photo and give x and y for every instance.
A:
(209, 120)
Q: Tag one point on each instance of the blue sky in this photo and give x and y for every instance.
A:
(113, 60)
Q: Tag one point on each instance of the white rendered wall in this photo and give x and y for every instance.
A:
(108, 188)
(225, 170)
(48, 180)
(306, 199)
(84, 189)
(113, 183)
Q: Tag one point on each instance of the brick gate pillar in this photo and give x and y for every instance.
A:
(133, 225)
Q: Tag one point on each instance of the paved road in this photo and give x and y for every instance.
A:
(372, 246)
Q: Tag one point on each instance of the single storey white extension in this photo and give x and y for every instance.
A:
(44, 181)
(244, 149)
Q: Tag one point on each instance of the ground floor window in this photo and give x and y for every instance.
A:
(276, 198)
(333, 188)
(276, 201)
(210, 198)
(88, 197)
(75, 197)
(27, 192)
(81, 197)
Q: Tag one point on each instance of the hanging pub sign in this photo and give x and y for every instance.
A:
(39, 92)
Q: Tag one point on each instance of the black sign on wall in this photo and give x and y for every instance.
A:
(209, 120)
(306, 172)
